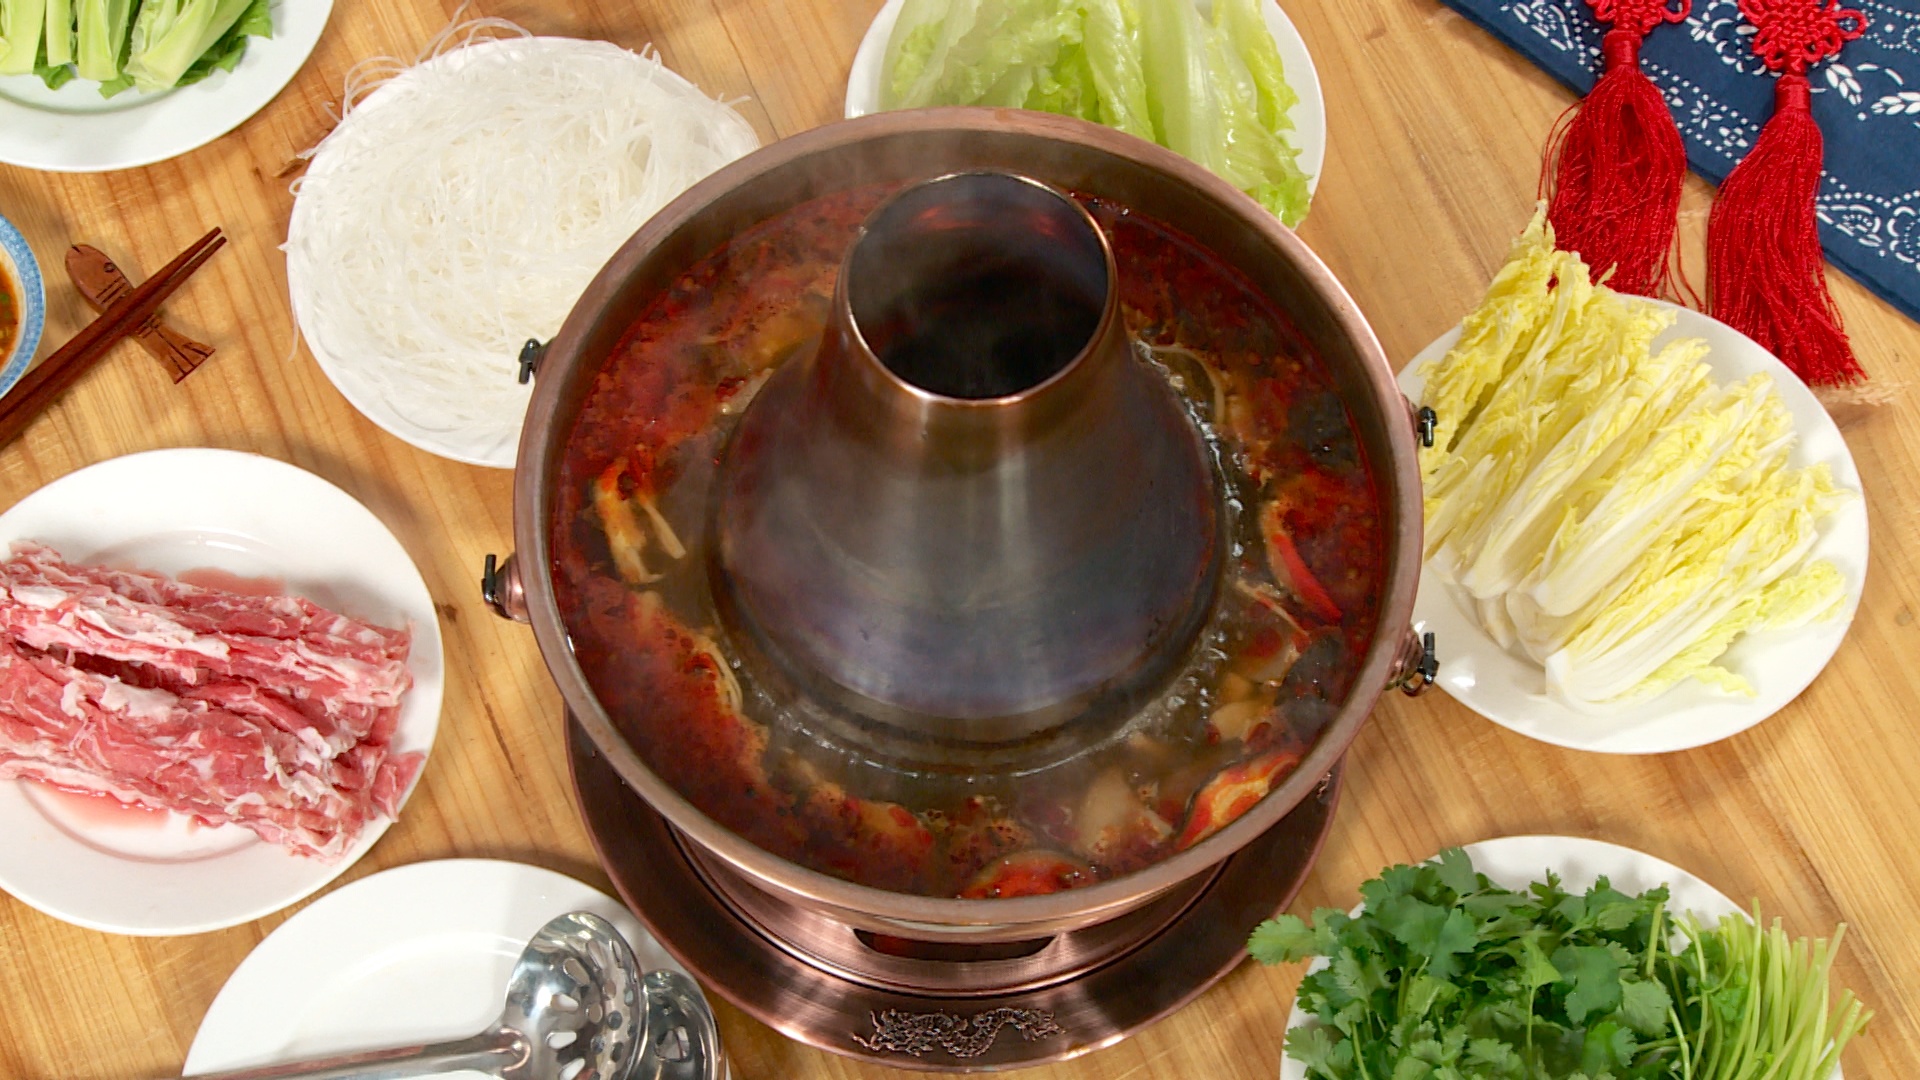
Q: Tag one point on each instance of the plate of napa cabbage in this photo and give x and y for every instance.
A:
(1045, 54)
(75, 128)
(1643, 532)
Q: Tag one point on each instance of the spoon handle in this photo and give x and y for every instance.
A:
(488, 1052)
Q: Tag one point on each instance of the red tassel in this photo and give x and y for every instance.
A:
(1766, 275)
(1618, 168)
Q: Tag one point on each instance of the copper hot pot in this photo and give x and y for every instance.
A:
(922, 145)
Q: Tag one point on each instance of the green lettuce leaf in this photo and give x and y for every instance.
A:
(1282, 184)
(974, 52)
(1152, 68)
(1111, 37)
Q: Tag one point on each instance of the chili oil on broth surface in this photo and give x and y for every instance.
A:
(1271, 667)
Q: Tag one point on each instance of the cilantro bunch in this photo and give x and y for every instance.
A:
(1445, 975)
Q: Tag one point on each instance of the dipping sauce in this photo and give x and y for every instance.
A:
(9, 313)
(1273, 665)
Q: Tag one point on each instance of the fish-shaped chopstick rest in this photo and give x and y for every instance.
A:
(101, 283)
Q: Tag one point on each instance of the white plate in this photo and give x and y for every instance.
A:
(1509, 688)
(484, 428)
(74, 129)
(174, 511)
(1513, 862)
(492, 445)
(410, 955)
(1309, 114)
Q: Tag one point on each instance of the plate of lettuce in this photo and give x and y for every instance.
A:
(94, 85)
(1227, 83)
(1643, 532)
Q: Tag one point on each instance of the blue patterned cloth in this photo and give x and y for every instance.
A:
(1867, 101)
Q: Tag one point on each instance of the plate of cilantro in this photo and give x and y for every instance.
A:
(1551, 957)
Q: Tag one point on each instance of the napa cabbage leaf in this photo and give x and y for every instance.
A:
(1719, 575)
(1491, 337)
(1606, 508)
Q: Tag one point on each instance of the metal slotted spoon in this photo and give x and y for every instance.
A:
(577, 1008)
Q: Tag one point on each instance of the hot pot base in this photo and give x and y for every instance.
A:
(934, 1007)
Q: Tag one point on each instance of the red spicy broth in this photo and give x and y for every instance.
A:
(1272, 668)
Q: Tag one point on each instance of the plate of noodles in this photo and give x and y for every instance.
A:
(463, 204)
(74, 129)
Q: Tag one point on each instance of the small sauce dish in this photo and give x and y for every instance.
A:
(23, 305)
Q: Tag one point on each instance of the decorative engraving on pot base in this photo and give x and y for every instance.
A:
(771, 980)
(901, 1032)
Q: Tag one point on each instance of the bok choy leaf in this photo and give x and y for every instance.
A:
(169, 35)
(21, 25)
(101, 37)
(59, 35)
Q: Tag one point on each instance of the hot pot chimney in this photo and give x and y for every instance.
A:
(971, 515)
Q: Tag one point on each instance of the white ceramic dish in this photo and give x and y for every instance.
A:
(493, 445)
(74, 129)
(486, 430)
(1515, 861)
(174, 511)
(410, 955)
(1509, 688)
(1309, 114)
(21, 272)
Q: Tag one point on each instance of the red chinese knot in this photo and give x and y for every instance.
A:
(1639, 17)
(1793, 35)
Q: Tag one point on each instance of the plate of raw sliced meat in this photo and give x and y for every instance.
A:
(220, 676)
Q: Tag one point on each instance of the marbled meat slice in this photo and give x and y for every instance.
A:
(86, 731)
(269, 712)
(193, 632)
(331, 724)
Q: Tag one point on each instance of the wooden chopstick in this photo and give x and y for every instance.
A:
(46, 382)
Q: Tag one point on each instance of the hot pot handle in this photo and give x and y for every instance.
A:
(500, 587)
(1426, 422)
(1417, 665)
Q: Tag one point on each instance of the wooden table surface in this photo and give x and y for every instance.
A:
(1435, 136)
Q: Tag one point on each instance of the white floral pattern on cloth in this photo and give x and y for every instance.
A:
(1867, 102)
